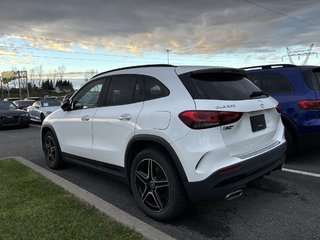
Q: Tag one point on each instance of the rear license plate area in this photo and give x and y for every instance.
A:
(258, 122)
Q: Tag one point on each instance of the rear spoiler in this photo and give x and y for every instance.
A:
(221, 70)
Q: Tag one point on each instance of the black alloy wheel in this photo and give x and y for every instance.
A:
(156, 185)
(152, 184)
(52, 151)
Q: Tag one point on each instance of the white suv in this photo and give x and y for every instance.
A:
(173, 133)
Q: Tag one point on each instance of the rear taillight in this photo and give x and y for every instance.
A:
(278, 108)
(310, 105)
(208, 119)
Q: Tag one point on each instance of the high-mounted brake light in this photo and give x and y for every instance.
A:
(208, 119)
(310, 105)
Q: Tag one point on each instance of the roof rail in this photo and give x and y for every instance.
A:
(138, 66)
(270, 66)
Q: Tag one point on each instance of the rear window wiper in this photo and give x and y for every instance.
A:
(259, 93)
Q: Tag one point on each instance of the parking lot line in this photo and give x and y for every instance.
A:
(301, 172)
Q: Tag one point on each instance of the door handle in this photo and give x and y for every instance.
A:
(85, 118)
(125, 117)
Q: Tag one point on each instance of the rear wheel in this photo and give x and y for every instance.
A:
(52, 151)
(156, 185)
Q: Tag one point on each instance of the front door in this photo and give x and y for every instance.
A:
(75, 126)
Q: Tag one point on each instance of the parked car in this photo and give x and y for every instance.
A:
(39, 110)
(23, 104)
(173, 133)
(11, 116)
(11, 99)
(33, 98)
(297, 89)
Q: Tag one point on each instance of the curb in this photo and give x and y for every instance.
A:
(147, 231)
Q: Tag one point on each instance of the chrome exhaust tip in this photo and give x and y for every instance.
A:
(234, 194)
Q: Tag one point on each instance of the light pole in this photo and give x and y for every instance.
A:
(168, 51)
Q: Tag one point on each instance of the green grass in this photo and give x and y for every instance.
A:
(32, 207)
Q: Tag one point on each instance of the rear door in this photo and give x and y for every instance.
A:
(114, 123)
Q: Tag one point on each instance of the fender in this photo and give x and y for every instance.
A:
(287, 122)
(159, 141)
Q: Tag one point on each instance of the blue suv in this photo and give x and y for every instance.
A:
(297, 89)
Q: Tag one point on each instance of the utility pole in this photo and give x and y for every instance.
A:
(27, 85)
(18, 73)
(168, 51)
(1, 88)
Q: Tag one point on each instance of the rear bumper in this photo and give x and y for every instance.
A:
(218, 185)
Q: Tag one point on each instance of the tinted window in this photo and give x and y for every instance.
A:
(256, 78)
(88, 96)
(121, 90)
(220, 86)
(275, 82)
(312, 78)
(153, 88)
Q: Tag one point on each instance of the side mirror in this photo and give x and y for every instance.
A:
(66, 105)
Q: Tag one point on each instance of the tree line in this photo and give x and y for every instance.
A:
(50, 84)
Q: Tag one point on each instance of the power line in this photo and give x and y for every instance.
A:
(280, 13)
(102, 60)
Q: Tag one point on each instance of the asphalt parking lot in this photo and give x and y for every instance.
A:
(283, 205)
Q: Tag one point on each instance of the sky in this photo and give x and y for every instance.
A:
(98, 35)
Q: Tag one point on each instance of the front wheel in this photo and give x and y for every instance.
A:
(52, 151)
(156, 185)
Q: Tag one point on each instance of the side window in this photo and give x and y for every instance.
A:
(153, 88)
(312, 78)
(88, 96)
(121, 90)
(275, 82)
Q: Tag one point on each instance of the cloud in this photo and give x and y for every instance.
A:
(201, 27)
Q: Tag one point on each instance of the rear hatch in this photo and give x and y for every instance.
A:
(227, 92)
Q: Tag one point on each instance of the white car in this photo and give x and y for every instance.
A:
(39, 110)
(175, 134)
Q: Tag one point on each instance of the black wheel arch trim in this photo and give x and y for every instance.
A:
(47, 126)
(164, 144)
(289, 123)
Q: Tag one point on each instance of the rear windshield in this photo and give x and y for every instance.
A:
(219, 86)
(312, 78)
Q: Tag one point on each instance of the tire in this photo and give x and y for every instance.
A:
(291, 146)
(42, 117)
(161, 197)
(27, 125)
(52, 151)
